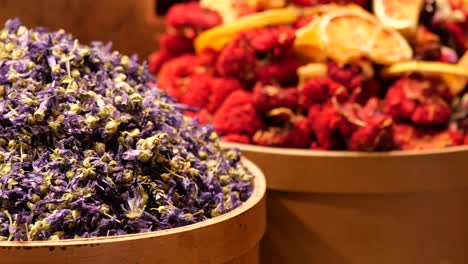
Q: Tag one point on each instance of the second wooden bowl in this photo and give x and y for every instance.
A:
(364, 208)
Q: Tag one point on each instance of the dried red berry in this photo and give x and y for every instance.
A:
(295, 135)
(237, 115)
(420, 101)
(260, 55)
(268, 97)
(192, 16)
(319, 90)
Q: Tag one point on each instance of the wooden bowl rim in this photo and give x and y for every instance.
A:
(344, 154)
(257, 195)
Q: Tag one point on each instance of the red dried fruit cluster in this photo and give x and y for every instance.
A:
(250, 92)
(422, 102)
(184, 23)
(263, 55)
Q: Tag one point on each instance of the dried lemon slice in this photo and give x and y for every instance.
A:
(310, 71)
(428, 67)
(321, 10)
(219, 36)
(402, 15)
(265, 4)
(457, 83)
(348, 34)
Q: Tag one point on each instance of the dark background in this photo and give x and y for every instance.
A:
(130, 24)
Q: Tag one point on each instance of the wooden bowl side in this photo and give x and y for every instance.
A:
(354, 172)
(227, 238)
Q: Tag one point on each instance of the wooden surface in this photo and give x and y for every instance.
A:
(231, 238)
(124, 22)
(363, 208)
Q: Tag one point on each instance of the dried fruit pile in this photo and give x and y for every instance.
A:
(329, 75)
(89, 148)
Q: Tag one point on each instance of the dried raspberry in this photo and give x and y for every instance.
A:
(236, 138)
(349, 125)
(421, 101)
(206, 92)
(282, 71)
(237, 115)
(192, 16)
(374, 133)
(319, 90)
(198, 91)
(173, 75)
(237, 59)
(260, 54)
(297, 135)
(208, 57)
(369, 89)
(407, 137)
(221, 88)
(350, 75)
(276, 41)
(325, 122)
(268, 97)
(371, 138)
(175, 44)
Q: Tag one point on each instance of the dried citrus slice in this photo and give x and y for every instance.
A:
(224, 8)
(348, 34)
(310, 71)
(402, 15)
(428, 67)
(457, 83)
(219, 36)
(320, 10)
(266, 4)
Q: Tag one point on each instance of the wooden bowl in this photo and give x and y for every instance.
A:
(299, 170)
(230, 238)
(364, 208)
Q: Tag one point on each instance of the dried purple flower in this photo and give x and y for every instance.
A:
(89, 148)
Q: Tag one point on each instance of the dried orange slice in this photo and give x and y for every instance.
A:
(402, 15)
(219, 36)
(349, 34)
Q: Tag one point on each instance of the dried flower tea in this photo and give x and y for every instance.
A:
(88, 147)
